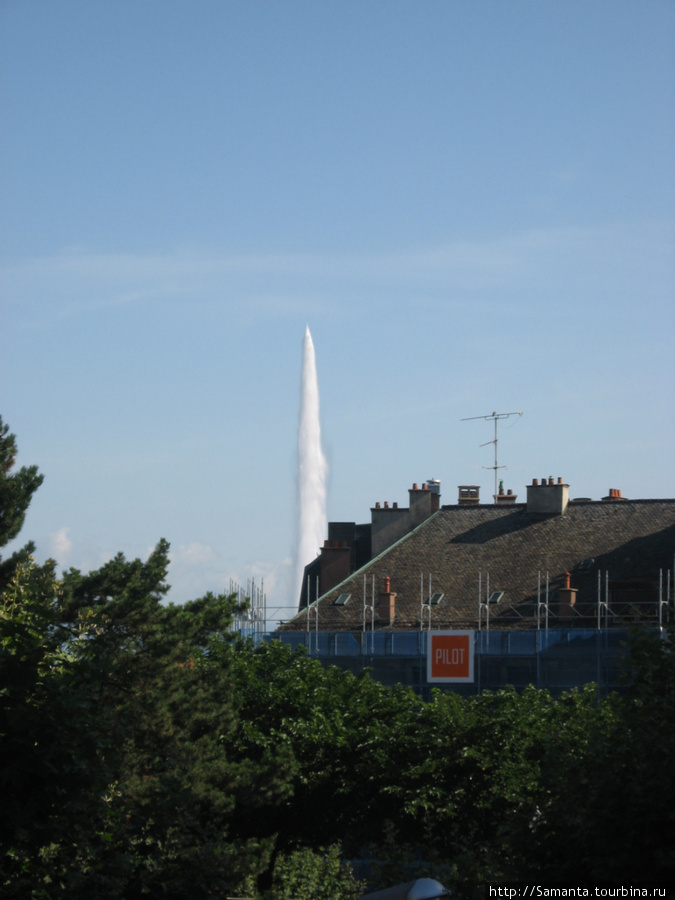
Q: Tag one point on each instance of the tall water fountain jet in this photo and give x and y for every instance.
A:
(312, 468)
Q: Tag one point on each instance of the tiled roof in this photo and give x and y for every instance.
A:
(631, 540)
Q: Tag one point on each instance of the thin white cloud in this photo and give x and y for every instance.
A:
(195, 569)
(60, 546)
(193, 555)
(41, 291)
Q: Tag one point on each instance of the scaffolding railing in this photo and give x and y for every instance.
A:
(555, 658)
(252, 620)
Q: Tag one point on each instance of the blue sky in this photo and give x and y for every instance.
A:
(472, 205)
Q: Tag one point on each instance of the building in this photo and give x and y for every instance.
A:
(504, 565)
(350, 546)
(551, 566)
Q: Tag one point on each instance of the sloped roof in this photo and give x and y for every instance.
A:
(629, 539)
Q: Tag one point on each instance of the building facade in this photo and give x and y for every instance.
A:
(563, 571)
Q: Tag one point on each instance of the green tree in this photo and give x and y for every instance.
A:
(116, 712)
(53, 738)
(612, 810)
(338, 735)
(472, 781)
(315, 875)
(16, 491)
(165, 680)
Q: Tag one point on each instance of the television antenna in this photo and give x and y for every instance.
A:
(495, 416)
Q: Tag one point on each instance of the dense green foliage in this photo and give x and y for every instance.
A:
(147, 752)
(16, 490)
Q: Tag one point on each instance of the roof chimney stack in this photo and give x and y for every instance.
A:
(504, 499)
(547, 498)
(423, 501)
(469, 495)
(567, 597)
(385, 609)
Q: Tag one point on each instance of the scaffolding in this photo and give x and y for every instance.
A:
(557, 659)
(665, 600)
(313, 608)
(491, 599)
(368, 614)
(251, 619)
(549, 649)
(425, 605)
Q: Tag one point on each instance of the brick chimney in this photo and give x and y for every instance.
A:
(335, 564)
(567, 597)
(388, 523)
(423, 501)
(385, 609)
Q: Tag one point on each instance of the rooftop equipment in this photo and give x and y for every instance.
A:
(495, 417)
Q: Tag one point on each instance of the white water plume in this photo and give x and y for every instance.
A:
(312, 468)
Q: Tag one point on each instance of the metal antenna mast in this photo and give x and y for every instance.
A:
(496, 417)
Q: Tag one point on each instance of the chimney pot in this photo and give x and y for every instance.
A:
(567, 581)
(559, 480)
(395, 505)
(414, 486)
(535, 481)
(377, 505)
(386, 504)
(387, 584)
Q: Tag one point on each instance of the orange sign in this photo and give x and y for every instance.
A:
(450, 655)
